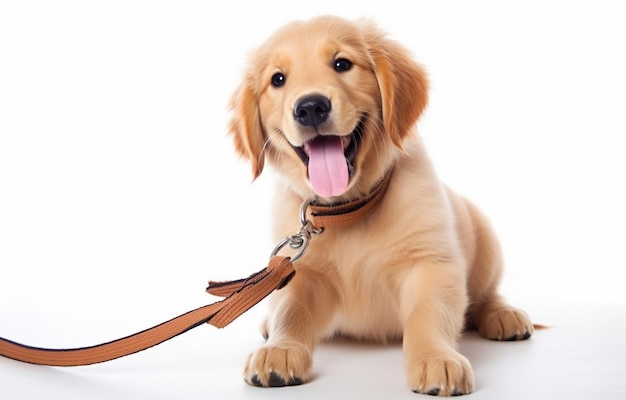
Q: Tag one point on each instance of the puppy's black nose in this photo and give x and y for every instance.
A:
(312, 110)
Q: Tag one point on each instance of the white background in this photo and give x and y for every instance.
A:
(120, 194)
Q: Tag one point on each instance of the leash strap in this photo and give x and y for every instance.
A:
(247, 293)
(240, 295)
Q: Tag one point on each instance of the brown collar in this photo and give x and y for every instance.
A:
(344, 214)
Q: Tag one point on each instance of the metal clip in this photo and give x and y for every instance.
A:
(299, 241)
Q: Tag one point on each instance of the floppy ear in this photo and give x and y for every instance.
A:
(245, 126)
(402, 83)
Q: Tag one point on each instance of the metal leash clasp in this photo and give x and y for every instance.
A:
(300, 240)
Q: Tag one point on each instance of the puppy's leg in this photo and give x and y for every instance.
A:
(434, 299)
(494, 318)
(301, 315)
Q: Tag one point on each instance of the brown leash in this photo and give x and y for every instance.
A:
(240, 295)
(219, 314)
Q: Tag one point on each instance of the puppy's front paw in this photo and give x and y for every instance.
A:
(278, 365)
(506, 323)
(444, 374)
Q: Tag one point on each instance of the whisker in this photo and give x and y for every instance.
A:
(375, 122)
(276, 134)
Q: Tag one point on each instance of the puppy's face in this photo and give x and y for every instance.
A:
(320, 102)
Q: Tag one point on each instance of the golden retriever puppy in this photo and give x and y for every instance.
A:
(332, 105)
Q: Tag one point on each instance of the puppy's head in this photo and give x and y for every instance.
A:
(329, 103)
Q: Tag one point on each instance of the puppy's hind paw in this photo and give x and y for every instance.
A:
(506, 324)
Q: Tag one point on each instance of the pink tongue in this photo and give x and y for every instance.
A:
(328, 169)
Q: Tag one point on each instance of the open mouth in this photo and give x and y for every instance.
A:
(330, 160)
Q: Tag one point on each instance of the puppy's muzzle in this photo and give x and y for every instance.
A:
(328, 156)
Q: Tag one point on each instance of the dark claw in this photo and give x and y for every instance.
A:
(294, 381)
(433, 392)
(527, 335)
(276, 380)
(456, 393)
(255, 381)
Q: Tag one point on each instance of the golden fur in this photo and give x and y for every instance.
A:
(423, 265)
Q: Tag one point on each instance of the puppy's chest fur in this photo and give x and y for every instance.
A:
(366, 281)
(368, 263)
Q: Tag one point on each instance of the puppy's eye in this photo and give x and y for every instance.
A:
(342, 64)
(278, 79)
